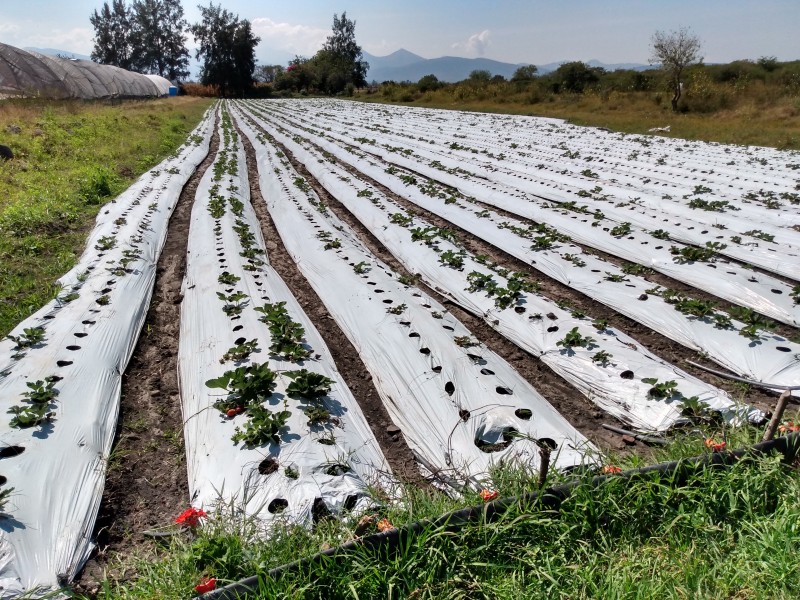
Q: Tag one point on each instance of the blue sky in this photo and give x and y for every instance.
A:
(516, 31)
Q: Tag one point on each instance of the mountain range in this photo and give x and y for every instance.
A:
(403, 65)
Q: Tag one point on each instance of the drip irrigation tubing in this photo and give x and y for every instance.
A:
(549, 499)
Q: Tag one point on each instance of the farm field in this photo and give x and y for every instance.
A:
(357, 298)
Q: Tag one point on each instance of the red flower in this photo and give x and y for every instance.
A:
(190, 517)
(714, 445)
(384, 525)
(611, 470)
(487, 495)
(208, 584)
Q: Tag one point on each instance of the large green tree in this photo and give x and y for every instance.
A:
(341, 59)
(227, 47)
(112, 27)
(146, 36)
(158, 42)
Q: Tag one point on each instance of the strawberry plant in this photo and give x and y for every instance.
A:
(397, 310)
(694, 307)
(696, 254)
(246, 386)
(751, 318)
(361, 267)
(621, 229)
(287, 335)
(4, 495)
(240, 352)
(480, 281)
(105, 243)
(308, 384)
(316, 414)
(575, 260)
(228, 279)
(660, 234)
(401, 219)
(795, 294)
(29, 337)
(262, 426)
(574, 339)
(635, 269)
(454, 260)
(426, 234)
(602, 357)
(39, 397)
(615, 277)
(234, 303)
(666, 389)
(757, 233)
(464, 341)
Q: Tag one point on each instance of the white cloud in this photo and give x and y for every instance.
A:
(295, 39)
(476, 44)
(77, 39)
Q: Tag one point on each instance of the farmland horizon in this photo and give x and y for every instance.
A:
(520, 33)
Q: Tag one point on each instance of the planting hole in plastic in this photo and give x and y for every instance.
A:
(87, 322)
(626, 374)
(268, 466)
(783, 349)
(11, 451)
(350, 502)
(464, 414)
(81, 334)
(507, 435)
(503, 390)
(238, 328)
(450, 388)
(73, 348)
(524, 413)
(487, 372)
(425, 351)
(552, 329)
(388, 301)
(413, 334)
(278, 505)
(437, 369)
(549, 442)
(776, 291)
(519, 309)
(63, 363)
(448, 328)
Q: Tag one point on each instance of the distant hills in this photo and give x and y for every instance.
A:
(403, 65)
(59, 53)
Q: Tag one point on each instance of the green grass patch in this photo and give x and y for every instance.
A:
(70, 159)
(723, 533)
(748, 120)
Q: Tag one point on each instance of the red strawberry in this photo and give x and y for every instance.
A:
(231, 412)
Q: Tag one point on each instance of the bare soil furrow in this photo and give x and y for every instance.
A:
(146, 482)
(358, 379)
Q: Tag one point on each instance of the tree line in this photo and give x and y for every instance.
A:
(149, 36)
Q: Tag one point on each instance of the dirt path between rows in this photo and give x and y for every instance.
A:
(146, 480)
(355, 374)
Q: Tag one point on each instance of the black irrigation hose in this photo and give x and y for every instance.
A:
(551, 498)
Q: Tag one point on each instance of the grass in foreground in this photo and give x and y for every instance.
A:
(724, 533)
(71, 158)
